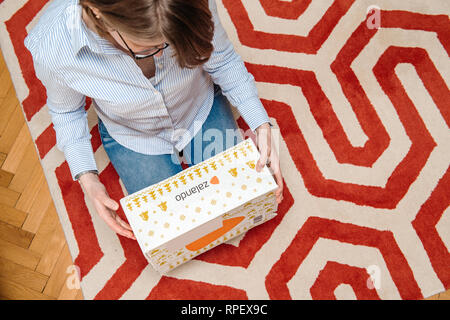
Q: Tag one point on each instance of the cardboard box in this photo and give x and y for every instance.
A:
(201, 206)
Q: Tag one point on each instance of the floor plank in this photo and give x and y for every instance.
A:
(5, 82)
(15, 235)
(18, 149)
(59, 274)
(70, 293)
(2, 158)
(18, 254)
(14, 291)
(52, 252)
(7, 106)
(12, 215)
(5, 178)
(36, 180)
(444, 295)
(25, 169)
(2, 61)
(12, 129)
(37, 210)
(22, 275)
(45, 232)
(79, 295)
(435, 297)
(8, 197)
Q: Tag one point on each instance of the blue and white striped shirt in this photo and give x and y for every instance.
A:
(150, 116)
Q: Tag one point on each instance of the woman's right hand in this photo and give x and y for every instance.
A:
(105, 206)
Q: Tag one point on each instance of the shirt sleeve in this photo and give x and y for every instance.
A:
(229, 72)
(69, 117)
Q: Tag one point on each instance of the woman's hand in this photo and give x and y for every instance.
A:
(104, 205)
(266, 149)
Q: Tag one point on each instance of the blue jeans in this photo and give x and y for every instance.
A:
(137, 170)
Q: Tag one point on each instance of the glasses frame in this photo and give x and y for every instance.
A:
(134, 54)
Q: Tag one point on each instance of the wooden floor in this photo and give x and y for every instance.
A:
(34, 256)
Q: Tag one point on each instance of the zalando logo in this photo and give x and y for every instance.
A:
(183, 195)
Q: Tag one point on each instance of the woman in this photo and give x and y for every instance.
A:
(157, 72)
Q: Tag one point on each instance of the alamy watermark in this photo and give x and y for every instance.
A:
(374, 279)
(73, 278)
(373, 20)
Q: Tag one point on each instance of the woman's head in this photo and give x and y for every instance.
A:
(186, 24)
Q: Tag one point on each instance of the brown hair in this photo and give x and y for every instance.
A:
(186, 24)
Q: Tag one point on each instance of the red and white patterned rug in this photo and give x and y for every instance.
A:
(361, 100)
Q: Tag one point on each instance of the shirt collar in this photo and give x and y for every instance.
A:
(82, 36)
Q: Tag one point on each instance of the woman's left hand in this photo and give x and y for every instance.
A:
(266, 148)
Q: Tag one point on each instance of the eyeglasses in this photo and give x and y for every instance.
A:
(141, 54)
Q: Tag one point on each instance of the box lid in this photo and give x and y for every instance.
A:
(178, 204)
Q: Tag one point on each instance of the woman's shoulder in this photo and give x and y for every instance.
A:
(212, 6)
(47, 37)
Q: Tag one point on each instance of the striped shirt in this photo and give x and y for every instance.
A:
(149, 116)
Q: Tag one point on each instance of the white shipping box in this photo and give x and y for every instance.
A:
(201, 206)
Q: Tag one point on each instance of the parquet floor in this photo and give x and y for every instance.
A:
(34, 256)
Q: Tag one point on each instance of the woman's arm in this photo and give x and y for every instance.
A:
(69, 117)
(66, 107)
(228, 71)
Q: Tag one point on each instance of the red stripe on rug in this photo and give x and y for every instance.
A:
(427, 71)
(16, 27)
(284, 42)
(335, 274)
(135, 261)
(176, 289)
(438, 24)
(396, 187)
(46, 141)
(90, 252)
(314, 228)
(285, 10)
(411, 165)
(425, 225)
(95, 138)
(378, 139)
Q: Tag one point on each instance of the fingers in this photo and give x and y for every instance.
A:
(264, 146)
(275, 169)
(279, 180)
(123, 223)
(126, 226)
(106, 207)
(111, 204)
(264, 143)
(111, 219)
(263, 158)
(106, 210)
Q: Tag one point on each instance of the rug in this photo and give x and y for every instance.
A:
(358, 94)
